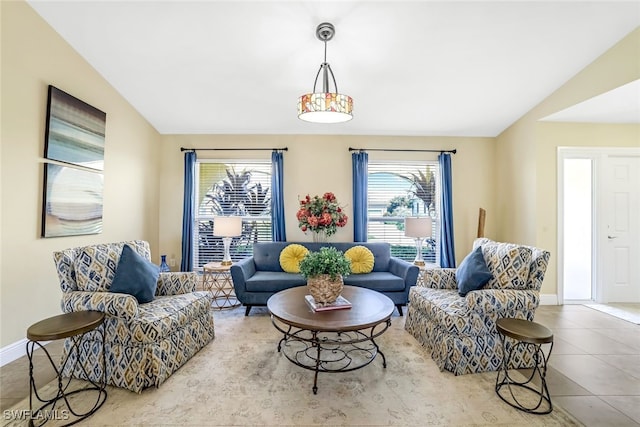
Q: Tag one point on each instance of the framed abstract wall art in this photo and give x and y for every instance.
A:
(75, 131)
(72, 202)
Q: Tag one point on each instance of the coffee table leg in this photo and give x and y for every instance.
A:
(384, 359)
(303, 342)
(314, 340)
(284, 338)
(378, 351)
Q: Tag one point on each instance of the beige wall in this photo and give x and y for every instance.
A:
(526, 151)
(550, 137)
(316, 164)
(34, 56)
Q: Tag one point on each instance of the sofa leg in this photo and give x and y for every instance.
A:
(247, 310)
(399, 309)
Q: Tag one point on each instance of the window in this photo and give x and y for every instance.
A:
(232, 188)
(397, 190)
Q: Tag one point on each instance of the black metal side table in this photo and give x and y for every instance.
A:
(529, 338)
(69, 325)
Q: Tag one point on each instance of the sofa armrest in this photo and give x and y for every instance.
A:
(111, 303)
(240, 273)
(503, 302)
(404, 269)
(176, 283)
(439, 278)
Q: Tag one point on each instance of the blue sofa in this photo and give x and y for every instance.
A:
(258, 277)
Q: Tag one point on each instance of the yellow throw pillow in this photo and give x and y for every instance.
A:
(291, 256)
(361, 259)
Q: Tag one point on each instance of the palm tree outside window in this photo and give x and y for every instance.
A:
(232, 188)
(397, 190)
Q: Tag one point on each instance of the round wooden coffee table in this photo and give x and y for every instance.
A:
(331, 341)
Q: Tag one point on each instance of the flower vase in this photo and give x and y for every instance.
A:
(164, 268)
(320, 236)
(324, 290)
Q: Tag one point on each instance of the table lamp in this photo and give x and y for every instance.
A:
(227, 227)
(419, 228)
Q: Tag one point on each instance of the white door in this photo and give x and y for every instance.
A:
(621, 266)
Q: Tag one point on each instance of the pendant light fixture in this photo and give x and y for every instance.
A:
(325, 106)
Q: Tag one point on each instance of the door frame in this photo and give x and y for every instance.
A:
(598, 155)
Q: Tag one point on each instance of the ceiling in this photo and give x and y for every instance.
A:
(620, 105)
(413, 68)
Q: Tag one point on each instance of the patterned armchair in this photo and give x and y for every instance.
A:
(144, 343)
(460, 332)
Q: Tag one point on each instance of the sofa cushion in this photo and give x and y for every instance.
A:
(95, 265)
(509, 263)
(266, 256)
(448, 311)
(165, 315)
(135, 276)
(473, 273)
(381, 281)
(291, 256)
(537, 268)
(361, 259)
(273, 281)
(381, 252)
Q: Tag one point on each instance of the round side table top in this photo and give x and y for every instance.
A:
(368, 308)
(524, 330)
(215, 266)
(65, 325)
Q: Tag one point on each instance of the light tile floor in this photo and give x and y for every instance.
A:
(594, 368)
(595, 364)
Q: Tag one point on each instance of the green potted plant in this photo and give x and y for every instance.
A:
(324, 271)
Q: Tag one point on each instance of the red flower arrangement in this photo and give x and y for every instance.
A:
(321, 214)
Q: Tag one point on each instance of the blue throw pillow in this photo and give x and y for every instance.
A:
(473, 273)
(135, 276)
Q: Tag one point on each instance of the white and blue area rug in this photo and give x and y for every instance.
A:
(240, 379)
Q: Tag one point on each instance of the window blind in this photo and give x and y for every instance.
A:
(231, 188)
(397, 190)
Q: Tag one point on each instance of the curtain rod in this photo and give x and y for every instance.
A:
(392, 149)
(233, 149)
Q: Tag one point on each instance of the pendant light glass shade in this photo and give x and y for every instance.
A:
(326, 106)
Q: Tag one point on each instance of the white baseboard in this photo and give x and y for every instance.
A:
(15, 351)
(548, 299)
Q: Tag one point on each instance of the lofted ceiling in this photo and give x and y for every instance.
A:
(413, 68)
(620, 105)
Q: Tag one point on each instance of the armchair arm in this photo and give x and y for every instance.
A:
(503, 302)
(440, 278)
(240, 272)
(404, 269)
(111, 303)
(176, 283)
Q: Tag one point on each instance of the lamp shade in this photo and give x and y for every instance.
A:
(325, 107)
(328, 106)
(418, 227)
(227, 226)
